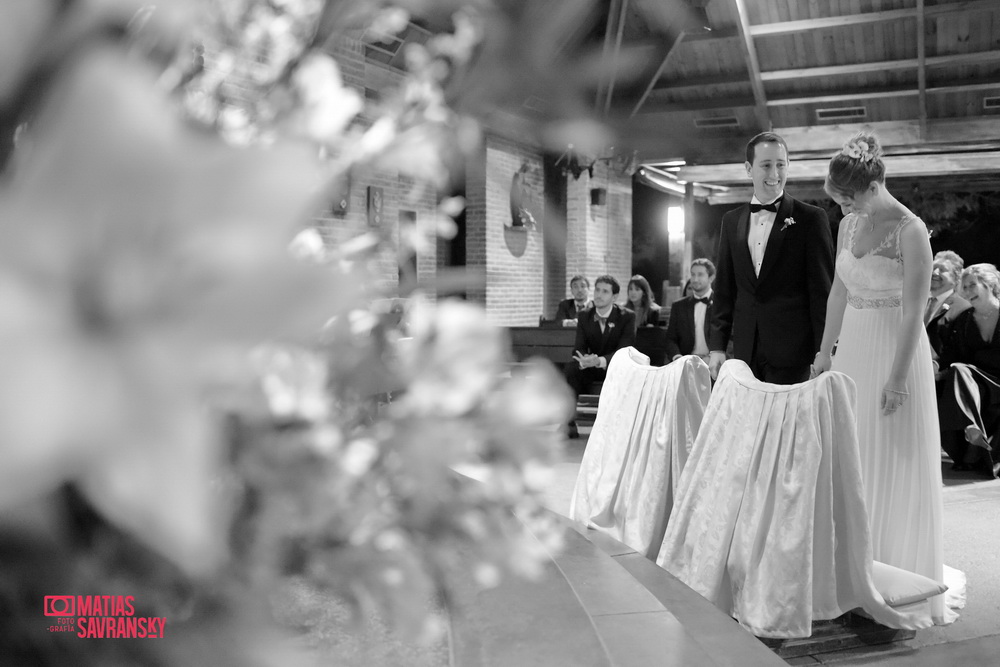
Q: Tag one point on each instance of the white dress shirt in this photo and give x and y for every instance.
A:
(700, 344)
(761, 223)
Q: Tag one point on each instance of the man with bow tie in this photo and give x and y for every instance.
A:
(600, 332)
(688, 330)
(570, 309)
(775, 268)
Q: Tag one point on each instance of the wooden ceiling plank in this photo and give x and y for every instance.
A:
(664, 106)
(756, 83)
(807, 25)
(679, 85)
(725, 32)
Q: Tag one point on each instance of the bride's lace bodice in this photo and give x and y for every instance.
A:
(874, 280)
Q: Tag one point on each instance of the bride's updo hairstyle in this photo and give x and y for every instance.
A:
(856, 166)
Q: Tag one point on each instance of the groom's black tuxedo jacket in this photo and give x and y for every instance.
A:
(786, 304)
(680, 330)
(618, 333)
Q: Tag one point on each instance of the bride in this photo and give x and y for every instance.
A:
(873, 315)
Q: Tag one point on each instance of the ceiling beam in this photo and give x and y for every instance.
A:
(869, 93)
(656, 76)
(609, 29)
(750, 51)
(805, 25)
(978, 58)
(660, 138)
(898, 166)
(620, 31)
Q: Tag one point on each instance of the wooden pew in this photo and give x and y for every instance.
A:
(556, 344)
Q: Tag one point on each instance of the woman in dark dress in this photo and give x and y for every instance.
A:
(640, 302)
(969, 388)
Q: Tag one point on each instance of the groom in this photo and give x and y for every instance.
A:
(775, 268)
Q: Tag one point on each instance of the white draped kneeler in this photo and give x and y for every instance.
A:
(769, 521)
(647, 420)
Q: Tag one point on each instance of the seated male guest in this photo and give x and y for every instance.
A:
(569, 310)
(600, 332)
(687, 332)
(943, 296)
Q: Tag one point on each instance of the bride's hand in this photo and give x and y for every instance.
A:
(893, 396)
(821, 363)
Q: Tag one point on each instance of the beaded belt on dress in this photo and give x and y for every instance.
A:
(881, 302)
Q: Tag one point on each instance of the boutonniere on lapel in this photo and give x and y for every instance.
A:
(788, 223)
(611, 325)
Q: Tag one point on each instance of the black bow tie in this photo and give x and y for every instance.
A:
(703, 300)
(772, 207)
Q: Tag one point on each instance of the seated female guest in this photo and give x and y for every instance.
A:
(640, 302)
(969, 386)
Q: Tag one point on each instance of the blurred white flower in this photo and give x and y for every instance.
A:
(294, 381)
(390, 21)
(358, 456)
(327, 106)
(487, 575)
(454, 360)
(308, 244)
(159, 255)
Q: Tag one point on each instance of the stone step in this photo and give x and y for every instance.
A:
(724, 641)
(589, 610)
(848, 632)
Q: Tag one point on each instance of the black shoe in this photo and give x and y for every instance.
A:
(960, 467)
(572, 432)
(986, 468)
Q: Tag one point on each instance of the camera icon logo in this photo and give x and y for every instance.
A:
(60, 605)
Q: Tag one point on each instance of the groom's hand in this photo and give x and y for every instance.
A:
(715, 361)
(821, 364)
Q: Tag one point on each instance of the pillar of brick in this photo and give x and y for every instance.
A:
(599, 235)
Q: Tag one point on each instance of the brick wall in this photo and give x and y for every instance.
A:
(516, 288)
(599, 237)
(510, 257)
(396, 190)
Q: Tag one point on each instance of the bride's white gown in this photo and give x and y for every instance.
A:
(900, 453)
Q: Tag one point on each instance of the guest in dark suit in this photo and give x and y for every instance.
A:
(945, 275)
(691, 316)
(775, 269)
(969, 388)
(600, 332)
(640, 302)
(569, 310)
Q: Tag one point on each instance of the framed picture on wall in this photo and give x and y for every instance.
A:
(376, 203)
